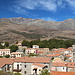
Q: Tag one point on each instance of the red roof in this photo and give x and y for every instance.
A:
(39, 65)
(71, 64)
(53, 55)
(40, 51)
(4, 61)
(33, 59)
(62, 73)
(68, 56)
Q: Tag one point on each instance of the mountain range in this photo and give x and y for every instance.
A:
(13, 29)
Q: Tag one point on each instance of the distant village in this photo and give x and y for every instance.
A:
(34, 60)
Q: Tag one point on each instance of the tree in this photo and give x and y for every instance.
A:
(24, 51)
(65, 58)
(16, 42)
(1, 47)
(7, 56)
(1, 56)
(31, 54)
(45, 72)
(25, 43)
(6, 44)
(13, 48)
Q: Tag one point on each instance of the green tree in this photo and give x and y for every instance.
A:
(1, 47)
(13, 48)
(6, 44)
(45, 72)
(24, 51)
(16, 42)
(7, 56)
(25, 43)
(1, 56)
(69, 43)
(33, 54)
(65, 58)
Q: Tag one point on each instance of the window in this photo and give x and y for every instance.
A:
(17, 66)
(63, 67)
(73, 53)
(28, 52)
(39, 69)
(25, 66)
(8, 67)
(5, 68)
(24, 72)
(34, 51)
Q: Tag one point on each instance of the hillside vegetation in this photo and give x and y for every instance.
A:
(13, 29)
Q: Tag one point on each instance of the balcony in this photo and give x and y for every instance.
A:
(17, 70)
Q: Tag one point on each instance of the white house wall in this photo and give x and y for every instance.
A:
(27, 69)
(17, 63)
(61, 69)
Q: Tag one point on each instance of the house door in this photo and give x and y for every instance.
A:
(35, 71)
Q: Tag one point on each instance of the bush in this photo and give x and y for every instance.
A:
(13, 48)
(17, 73)
(6, 44)
(32, 55)
(45, 72)
(7, 56)
(1, 56)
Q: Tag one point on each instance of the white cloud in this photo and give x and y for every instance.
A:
(71, 3)
(50, 5)
(19, 10)
(29, 4)
(23, 6)
(40, 4)
(49, 19)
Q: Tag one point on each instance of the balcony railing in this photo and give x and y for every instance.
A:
(17, 70)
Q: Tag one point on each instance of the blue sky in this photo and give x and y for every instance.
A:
(49, 10)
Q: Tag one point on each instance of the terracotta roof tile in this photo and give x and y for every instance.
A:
(40, 65)
(62, 73)
(4, 49)
(68, 55)
(58, 60)
(58, 64)
(4, 61)
(16, 53)
(40, 51)
(71, 64)
(33, 59)
(53, 55)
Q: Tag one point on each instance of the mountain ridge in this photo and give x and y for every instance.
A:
(45, 24)
(12, 29)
